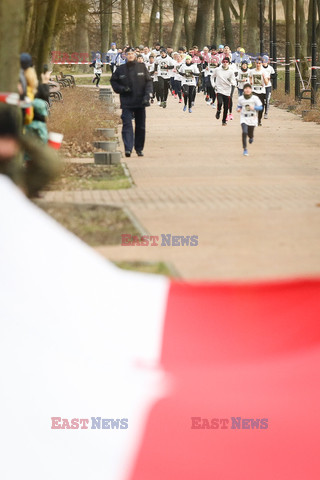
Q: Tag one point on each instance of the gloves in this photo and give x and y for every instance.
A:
(146, 101)
(127, 90)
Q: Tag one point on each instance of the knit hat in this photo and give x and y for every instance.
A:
(221, 46)
(26, 61)
(188, 57)
(265, 58)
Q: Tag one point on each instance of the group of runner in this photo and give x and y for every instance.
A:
(216, 73)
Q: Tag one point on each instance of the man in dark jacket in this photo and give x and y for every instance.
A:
(134, 84)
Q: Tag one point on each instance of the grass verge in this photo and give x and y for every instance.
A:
(83, 176)
(94, 224)
(159, 268)
(77, 117)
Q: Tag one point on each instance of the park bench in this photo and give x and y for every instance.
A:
(55, 94)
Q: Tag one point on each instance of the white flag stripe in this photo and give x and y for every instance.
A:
(74, 330)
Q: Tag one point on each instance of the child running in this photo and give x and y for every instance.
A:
(163, 65)
(97, 69)
(189, 71)
(259, 78)
(248, 105)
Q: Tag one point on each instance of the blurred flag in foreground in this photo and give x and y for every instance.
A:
(114, 375)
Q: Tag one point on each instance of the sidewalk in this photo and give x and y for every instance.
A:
(256, 217)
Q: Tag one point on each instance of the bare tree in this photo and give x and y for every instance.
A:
(217, 22)
(203, 22)
(132, 37)
(227, 23)
(152, 22)
(12, 15)
(187, 26)
(241, 4)
(252, 26)
(179, 7)
(138, 10)
(124, 15)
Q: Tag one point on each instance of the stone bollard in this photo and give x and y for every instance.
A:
(106, 132)
(115, 158)
(106, 146)
(102, 158)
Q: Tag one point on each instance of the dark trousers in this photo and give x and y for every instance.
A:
(97, 78)
(247, 131)
(163, 84)
(268, 95)
(156, 90)
(189, 94)
(262, 97)
(177, 88)
(137, 138)
(225, 101)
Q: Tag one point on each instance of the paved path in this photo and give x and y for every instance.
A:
(256, 217)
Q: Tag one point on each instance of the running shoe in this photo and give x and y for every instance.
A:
(164, 104)
(152, 101)
(245, 152)
(128, 153)
(218, 114)
(159, 103)
(190, 110)
(250, 140)
(185, 108)
(230, 116)
(140, 153)
(180, 100)
(175, 96)
(207, 98)
(209, 101)
(213, 105)
(265, 116)
(259, 124)
(224, 124)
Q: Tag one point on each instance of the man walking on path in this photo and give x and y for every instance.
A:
(134, 84)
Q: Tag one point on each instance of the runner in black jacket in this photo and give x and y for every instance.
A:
(134, 84)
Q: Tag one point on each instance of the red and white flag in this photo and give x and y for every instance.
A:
(114, 375)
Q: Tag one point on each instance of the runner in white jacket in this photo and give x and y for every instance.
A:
(223, 78)
(189, 71)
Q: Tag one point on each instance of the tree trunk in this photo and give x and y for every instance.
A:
(203, 22)
(187, 26)
(132, 38)
(104, 25)
(138, 10)
(241, 16)
(48, 31)
(161, 22)
(291, 22)
(217, 23)
(152, 23)
(178, 14)
(124, 15)
(303, 39)
(252, 26)
(12, 15)
(29, 16)
(227, 23)
(81, 31)
(40, 18)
